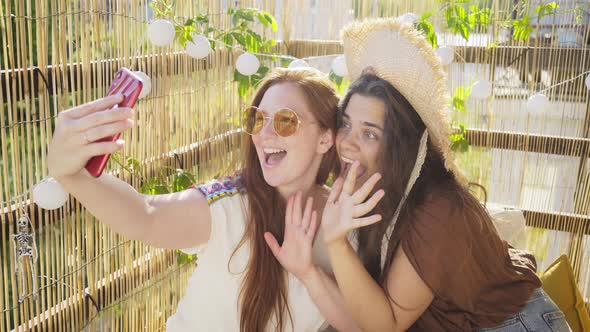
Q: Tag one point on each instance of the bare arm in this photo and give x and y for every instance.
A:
(176, 220)
(295, 255)
(368, 302)
(326, 295)
(372, 308)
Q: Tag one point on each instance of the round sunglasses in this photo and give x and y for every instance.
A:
(285, 121)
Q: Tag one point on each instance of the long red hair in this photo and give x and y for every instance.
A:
(263, 293)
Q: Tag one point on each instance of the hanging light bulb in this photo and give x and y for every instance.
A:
(298, 63)
(481, 89)
(49, 194)
(247, 64)
(537, 103)
(161, 32)
(445, 54)
(199, 48)
(339, 66)
(147, 84)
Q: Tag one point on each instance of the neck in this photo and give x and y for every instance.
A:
(304, 183)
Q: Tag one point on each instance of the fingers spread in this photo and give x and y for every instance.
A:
(336, 190)
(313, 226)
(297, 209)
(289, 212)
(350, 178)
(307, 214)
(272, 243)
(364, 191)
(366, 207)
(366, 221)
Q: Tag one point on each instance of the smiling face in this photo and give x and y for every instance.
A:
(290, 163)
(360, 136)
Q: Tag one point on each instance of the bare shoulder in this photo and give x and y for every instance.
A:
(183, 219)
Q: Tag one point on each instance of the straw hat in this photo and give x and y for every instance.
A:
(401, 55)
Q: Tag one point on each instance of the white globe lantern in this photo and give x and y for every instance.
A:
(147, 84)
(199, 48)
(161, 32)
(49, 194)
(408, 18)
(247, 64)
(339, 66)
(537, 103)
(588, 82)
(445, 54)
(481, 89)
(298, 63)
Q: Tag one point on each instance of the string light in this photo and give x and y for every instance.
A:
(247, 64)
(199, 48)
(339, 66)
(481, 89)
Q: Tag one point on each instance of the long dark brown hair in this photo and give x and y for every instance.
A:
(403, 129)
(263, 293)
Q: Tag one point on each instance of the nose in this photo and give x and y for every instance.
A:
(348, 140)
(267, 128)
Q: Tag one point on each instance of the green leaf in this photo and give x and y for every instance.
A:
(209, 30)
(460, 13)
(522, 28)
(203, 18)
(184, 258)
(459, 96)
(239, 38)
(133, 164)
(228, 40)
(336, 79)
(425, 16)
(428, 29)
(272, 21)
(262, 19)
(546, 9)
(182, 180)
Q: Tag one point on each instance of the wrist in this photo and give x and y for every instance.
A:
(309, 276)
(337, 244)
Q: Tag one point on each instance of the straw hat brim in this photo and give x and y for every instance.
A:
(401, 55)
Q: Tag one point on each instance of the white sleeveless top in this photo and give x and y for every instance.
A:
(211, 299)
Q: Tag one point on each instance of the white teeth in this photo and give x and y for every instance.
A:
(268, 151)
(346, 160)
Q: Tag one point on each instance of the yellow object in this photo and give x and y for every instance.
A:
(560, 284)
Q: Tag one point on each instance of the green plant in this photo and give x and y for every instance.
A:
(180, 180)
(458, 137)
(240, 35)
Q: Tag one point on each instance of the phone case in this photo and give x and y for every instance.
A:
(130, 85)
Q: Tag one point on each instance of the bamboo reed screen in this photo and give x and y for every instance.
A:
(62, 53)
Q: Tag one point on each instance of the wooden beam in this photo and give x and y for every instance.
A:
(558, 145)
(11, 80)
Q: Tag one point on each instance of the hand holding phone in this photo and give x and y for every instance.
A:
(129, 85)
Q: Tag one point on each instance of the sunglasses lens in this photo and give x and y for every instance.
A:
(285, 122)
(252, 120)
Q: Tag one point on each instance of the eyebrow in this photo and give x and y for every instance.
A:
(365, 123)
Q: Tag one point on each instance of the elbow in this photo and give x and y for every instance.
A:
(145, 228)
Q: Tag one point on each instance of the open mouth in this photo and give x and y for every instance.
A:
(346, 164)
(273, 157)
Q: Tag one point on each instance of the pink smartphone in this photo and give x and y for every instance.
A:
(129, 85)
